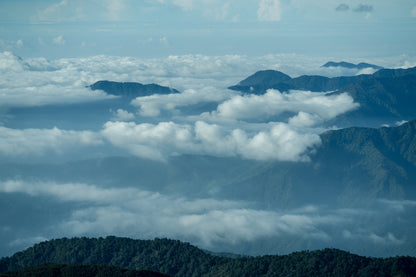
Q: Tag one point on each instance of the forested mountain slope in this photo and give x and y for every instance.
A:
(181, 259)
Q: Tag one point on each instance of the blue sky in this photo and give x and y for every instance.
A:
(158, 28)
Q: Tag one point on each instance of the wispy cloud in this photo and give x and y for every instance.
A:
(269, 10)
(59, 40)
(205, 222)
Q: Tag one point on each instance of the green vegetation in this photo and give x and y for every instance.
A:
(182, 259)
(60, 270)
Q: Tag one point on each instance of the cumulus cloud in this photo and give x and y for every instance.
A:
(342, 7)
(157, 141)
(122, 115)
(269, 10)
(318, 106)
(22, 142)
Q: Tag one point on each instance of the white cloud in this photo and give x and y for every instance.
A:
(122, 115)
(46, 95)
(206, 222)
(276, 141)
(10, 62)
(387, 239)
(22, 142)
(53, 12)
(114, 8)
(269, 10)
(365, 235)
(154, 104)
(130, 211)
(59, 40)
(319, 106)
(185, 4)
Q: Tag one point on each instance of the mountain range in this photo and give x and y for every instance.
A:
(351, 65)
(354, 191)
(387, 95)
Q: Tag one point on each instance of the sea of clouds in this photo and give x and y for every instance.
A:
(159, 126)
(240, 125)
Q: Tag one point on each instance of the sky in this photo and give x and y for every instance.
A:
(159, 28)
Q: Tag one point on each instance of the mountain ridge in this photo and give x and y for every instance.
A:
(182, 259)
(388, 94)
(131, 89)
(360, 65)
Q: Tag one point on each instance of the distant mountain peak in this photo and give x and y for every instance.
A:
(131, 89)
(351, 65)
(265, 76)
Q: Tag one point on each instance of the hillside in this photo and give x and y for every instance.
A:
(181, 259)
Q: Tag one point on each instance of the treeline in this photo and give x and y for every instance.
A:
(175, 258)
(60, 270)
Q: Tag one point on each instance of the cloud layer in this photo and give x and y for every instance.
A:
(276, 141)
(205, 222)
(26, 142)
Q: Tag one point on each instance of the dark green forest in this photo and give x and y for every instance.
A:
(61, 270)
(176, 258)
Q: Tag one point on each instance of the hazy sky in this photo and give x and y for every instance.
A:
(158, 28)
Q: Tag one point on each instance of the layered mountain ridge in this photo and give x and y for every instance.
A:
(387, 95)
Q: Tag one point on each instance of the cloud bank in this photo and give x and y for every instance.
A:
(247, 126)
(23, 142)
(277, 141)
(318, 106)
(205, 222)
